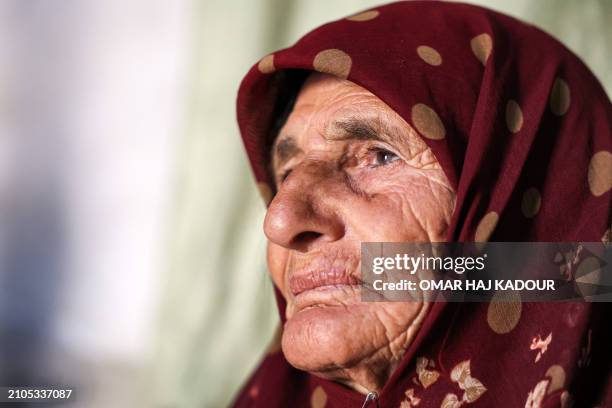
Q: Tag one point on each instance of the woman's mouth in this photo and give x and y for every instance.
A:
(323, 281)
(324, 297)
(314, 279)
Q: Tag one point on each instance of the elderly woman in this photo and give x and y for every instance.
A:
(425, 122)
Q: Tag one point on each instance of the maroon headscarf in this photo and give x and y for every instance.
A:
(522, 130)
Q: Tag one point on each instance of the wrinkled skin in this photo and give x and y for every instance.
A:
(336, 187)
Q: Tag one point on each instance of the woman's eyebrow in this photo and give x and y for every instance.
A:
(285, 149)
(360, 129)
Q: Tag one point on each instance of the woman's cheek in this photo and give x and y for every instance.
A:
(399, 214)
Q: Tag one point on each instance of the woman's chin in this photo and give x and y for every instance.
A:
(323, 338)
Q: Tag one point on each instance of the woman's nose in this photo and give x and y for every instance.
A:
(305, 213)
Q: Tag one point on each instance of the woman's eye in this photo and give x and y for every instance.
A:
(384, 157)
(285, 174)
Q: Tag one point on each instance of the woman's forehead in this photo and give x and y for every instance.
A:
(321, 90)
(325, 101)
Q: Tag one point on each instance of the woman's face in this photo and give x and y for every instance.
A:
(348, 170)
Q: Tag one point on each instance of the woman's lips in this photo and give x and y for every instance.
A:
(302, 282)
(324, 280)
(324, 297)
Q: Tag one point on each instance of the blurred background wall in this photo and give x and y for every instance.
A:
(131, 251)
(93, 97)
